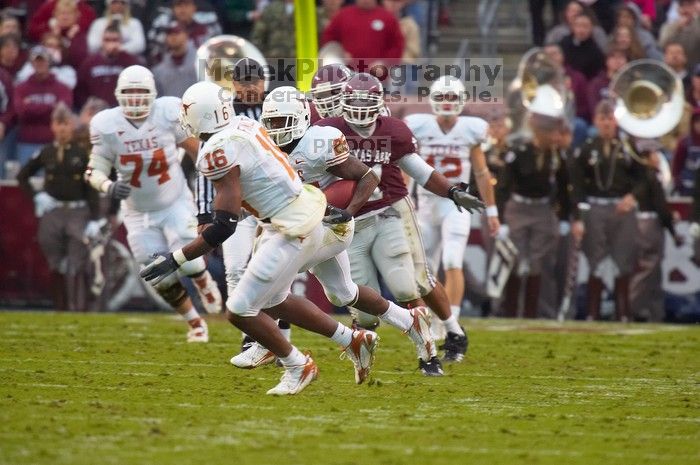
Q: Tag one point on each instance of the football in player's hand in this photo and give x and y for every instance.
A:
(340, 192)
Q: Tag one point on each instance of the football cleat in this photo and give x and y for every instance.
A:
(361, 353)
(246, 343)
(437, 328)
(199, 333)
(209, 294)
(455, 347)
(432, 367)
(295, 378)
(419, 332)
(254, 356)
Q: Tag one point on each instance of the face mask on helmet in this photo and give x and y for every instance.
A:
(327, 100)
(361, 108)
(282, 129)
(446, 103)
(135, 102)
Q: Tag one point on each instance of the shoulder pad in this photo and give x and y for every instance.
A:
(104, 121)
(168, 107)
(416, 120)
(478, 127)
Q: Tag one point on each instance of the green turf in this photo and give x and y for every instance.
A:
(126, 389)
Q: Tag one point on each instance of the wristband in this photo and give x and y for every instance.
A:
(179, 257)
(492, 211)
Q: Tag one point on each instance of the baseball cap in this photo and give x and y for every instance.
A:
(247, 69)
(40, 51)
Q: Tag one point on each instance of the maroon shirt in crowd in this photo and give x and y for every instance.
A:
(7, 110)
(366, 33)
(579, 88)
(391, 140)
(597, 89)
(97, 77)
(34, 101)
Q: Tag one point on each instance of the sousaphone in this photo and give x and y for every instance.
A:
(216, 57)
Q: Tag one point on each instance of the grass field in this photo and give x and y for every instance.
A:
(126, 389)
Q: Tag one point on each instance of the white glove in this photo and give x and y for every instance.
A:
(93, 228)
(564, 228)
(694, 230)
(43, 203)
(503, 231)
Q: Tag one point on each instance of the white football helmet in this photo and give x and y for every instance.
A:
(285, 115)
(206, 108)
(135, 91)
(447, 96)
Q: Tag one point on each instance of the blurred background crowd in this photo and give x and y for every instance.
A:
(60, 59)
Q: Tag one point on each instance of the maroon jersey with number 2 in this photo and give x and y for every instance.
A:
(391, 140)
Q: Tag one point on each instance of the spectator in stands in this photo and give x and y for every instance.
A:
(598, 86)
(66, 24)
(9, 25)
(685, 30)
(12, 57)
(647, 12)
(576, 82)
(326, 12)
(176, 72)
(64, 73)
(537, 17)
(200, 26)
(68, 209)
(97, 77)
(7, 121)
(41, 21)
(622, 38)
(572, 9)
(580, 49)
(629, 15)
(368, 33)
(693, 95)
(274, 32)
(412, 47)
(132, 31)
(34, 100)
(686, 160)
(240, 16)
(677, 60)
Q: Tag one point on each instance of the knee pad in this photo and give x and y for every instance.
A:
(453, 253)
(342, 297)
(238, 305)
(192, 267)
(172, 290)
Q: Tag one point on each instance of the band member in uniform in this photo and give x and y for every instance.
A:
(653, 215)
(608, 181)
(536, 182)
(68, 209)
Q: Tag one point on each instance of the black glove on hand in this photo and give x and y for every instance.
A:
(335, 215)
(119, 190)
(463, 199)
(159, 269)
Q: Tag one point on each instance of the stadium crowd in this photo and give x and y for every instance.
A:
(60, 61)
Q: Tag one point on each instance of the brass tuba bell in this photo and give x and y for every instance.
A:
(216, 57)
(648, 98)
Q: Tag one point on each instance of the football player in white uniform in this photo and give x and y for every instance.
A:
(139, 138)
(320, 155)
(452, 145)
(249, 171)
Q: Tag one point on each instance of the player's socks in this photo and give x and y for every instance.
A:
(455, 309)
(397, 317)
(295, 358)
(452, 325)
(192, 317)
(342, 335)
(285, 329)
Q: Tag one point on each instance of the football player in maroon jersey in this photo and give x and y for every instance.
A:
(382, 242)
(326, 87)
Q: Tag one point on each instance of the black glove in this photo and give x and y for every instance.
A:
(335, 215)
(119, 190)
(463, 199)
(159, 269)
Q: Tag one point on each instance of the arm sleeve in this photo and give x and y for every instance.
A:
(27, 171)
(506, 183)
(416, 167)
(564, 197)
(396, 41)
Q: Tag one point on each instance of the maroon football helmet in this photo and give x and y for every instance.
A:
(326, 87)
(362, 99)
